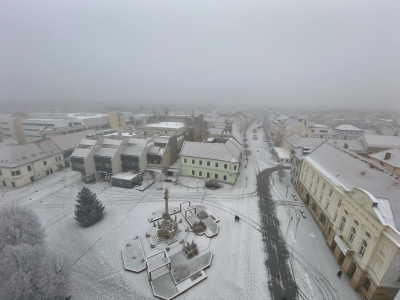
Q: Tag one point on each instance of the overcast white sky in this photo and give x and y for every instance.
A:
(311, 54)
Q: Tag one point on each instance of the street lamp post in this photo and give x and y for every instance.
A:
(287, 189)
(197, 185)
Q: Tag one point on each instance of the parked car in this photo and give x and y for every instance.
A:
(213, 184)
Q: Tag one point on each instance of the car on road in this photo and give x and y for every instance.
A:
(213, 184)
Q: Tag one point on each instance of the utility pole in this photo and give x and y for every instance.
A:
(246, 180)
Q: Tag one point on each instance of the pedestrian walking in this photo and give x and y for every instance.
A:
(339, 274)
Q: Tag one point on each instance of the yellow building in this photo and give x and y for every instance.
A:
(214, 161)
(356, 204)
(23, 164)
(117, 120)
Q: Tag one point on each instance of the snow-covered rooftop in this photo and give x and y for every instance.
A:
(85, 116)
(281, 153)
(172, 125)
(135, 147)
(351, 171)
(217, 151)
(393, 160)
(382, 141)
(70, 141)
(297, 141)
(348, 127)
(15, 155)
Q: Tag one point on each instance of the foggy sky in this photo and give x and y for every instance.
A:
(306, 54)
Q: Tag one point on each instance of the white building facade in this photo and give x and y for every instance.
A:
(355, 203)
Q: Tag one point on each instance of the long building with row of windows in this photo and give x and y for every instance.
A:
(22, 164)
(217, 161)
(356, 204)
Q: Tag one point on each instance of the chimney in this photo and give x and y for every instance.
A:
(387, 155)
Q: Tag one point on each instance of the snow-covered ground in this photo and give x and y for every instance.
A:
(238, 268)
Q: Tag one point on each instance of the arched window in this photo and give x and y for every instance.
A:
(367, 284)
(342, 223)
(362, 248)
(352, 234)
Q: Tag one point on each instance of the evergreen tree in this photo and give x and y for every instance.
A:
(89, 210)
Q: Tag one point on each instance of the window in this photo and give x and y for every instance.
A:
(367, 284)
(29, 168)
(185, 160)
(200, 162)
(362, 248)
(56, 158)
(13, 184)
(216, 165)
(200, 173)
(225, 166)
(192, 161)
(330, 192)
(322, 218)
(208, 175)
(208, 164)
(320, 198)
(216, 176)
(318, 180)
(342, 224)
(335, 217)
(193, 172)
(327, 205)
(314, 208)
(1, 173)
(313, 174)
(16, 173)
(4, 183)
(234, 167)
(45, 163)
(323, 186)
(224, 177)
(339, 203)
(352, 234)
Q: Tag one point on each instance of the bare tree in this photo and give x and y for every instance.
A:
(20, 225)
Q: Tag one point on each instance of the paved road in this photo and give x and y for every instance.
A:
(282, 283)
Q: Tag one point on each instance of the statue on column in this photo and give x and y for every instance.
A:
(168, 227)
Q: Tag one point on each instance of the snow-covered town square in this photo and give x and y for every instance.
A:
(274, 251)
